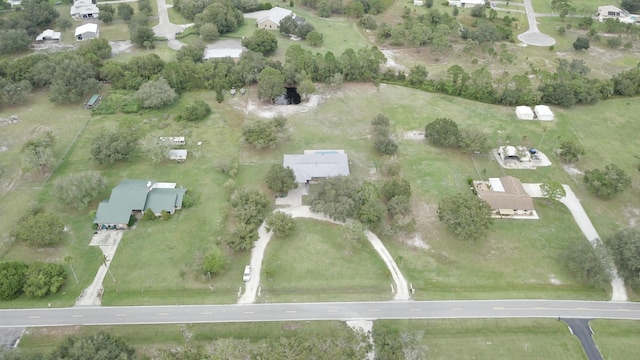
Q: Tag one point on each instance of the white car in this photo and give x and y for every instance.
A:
(246, 276)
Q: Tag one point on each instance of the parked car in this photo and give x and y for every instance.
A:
(246, 276)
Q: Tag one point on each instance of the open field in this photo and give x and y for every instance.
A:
(313, 264)
(616, 339)
(489, 338)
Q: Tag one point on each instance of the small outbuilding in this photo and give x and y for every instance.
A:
(543, 113)
(418, 2)
(524, 113)
(513, 153)
(87, 31)
(49, 35)
(179, 155)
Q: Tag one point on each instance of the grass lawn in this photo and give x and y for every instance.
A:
(616, 339)
(490, 338)
(145, 338)
(313, 264)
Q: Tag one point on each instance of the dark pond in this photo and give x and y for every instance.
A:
(290, 97)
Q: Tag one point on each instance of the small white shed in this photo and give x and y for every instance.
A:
(524, 113)
(179, 155)
(543, 113)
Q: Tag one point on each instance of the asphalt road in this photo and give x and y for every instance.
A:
(533, 36)
(581, 329)
(319, 311)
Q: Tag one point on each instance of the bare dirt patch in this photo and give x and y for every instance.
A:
(414, 135)
(572, 170)
(53, 47)
(633, 215)
(119, 47)
(391, 63)
(417, 242)
(13, 119)
(554, 280)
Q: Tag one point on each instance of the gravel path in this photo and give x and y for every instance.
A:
(571, 201)
(301, 211)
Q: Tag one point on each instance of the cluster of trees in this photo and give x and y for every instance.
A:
(289, 26)
(343, 198)
(18, 31)
(248, 208)
(625, 247)
(211, 17)
(465, 215)
(356, 9)
(264, 133)
(280, 179)
(280, 223)
(589, 264)
(262, 41)
(341, 344)
(433, 29)
(195, 111)
(383, 142)
(36, 280)
(446, 132)
(38, 154)
(77, 190)
(571, 151)
(567, 86)
(101, 346)
(114, 146)
(607, 183)
(39, 229)
(392, 344)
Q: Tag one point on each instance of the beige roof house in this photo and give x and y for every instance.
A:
(506, 196)
(272, 20)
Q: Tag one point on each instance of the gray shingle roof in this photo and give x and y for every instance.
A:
(318, 165)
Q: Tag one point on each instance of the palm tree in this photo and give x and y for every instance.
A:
(103, 259)
(68, 259)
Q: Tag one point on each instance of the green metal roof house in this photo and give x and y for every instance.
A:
(136, 196)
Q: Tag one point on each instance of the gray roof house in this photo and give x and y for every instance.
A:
(313, 165)
(131, 196)
(84, 9)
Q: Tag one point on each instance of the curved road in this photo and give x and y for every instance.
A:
(319, 311)
(533, 36)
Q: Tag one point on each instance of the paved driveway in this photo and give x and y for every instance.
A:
(533, 36)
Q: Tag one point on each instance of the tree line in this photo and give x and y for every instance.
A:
(567, 86)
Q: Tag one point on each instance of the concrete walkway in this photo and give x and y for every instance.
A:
(107, 241)
(533, 36)
(302, 211)
(571, 201)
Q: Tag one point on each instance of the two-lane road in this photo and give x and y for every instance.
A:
(319, 311)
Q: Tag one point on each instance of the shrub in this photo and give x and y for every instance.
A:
(155, 94)
(13, 275)
(40, 230)
(608, 182)
(196, 111)
(214, 261)
(44, 279)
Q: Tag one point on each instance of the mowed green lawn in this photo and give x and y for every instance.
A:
(490, 338)
(616, 339)
(315, 264)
